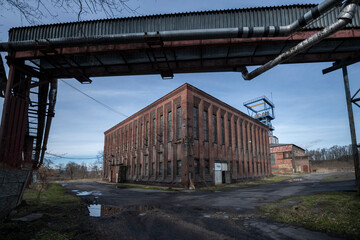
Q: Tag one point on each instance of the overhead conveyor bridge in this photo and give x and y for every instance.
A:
(209, 41)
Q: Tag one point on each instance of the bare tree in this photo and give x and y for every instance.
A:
(34, 10)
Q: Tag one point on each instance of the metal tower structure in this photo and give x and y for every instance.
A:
(262, 109)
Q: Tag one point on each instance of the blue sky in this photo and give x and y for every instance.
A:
(310, 107)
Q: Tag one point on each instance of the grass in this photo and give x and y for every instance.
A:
(246, 184)
(340, 177)
(62, 216)
(337, 212)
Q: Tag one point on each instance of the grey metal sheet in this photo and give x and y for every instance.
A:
(250, 17)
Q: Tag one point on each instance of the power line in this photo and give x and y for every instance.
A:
(103, 104)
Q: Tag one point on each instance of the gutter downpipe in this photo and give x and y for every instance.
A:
(194, 34)
(345, 17)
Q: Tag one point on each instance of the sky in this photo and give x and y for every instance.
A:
(310, 107)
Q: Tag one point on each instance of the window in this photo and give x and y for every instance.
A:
(207, 166)
(287, 155)
(136, 136)
(168, 168)
(135, 169)
(196, 166)
(146, 169)
(222, 130)
(229, 131)
(206, 126)
(214, 128)
(196, 122)
(178, 167)
(140, 170)
(272, 155)
(141, 135)
(160, 168)
(161, 128)
(236, 134)
(237, 166)
(147, 134)
(131, 137)
(178, 123)
(154, 131)
(169, 127)
(153, 169)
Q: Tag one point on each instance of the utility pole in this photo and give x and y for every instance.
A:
(349, 101)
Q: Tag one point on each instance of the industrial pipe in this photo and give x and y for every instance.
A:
(50, 115)
(345, 17)
(194, 34)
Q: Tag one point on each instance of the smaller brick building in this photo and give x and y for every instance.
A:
(187, 137)
(288, 158)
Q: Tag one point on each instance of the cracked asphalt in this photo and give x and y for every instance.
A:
(225, 214)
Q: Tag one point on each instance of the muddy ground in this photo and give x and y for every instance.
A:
(224, 214)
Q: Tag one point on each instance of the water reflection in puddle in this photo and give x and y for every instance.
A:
(98, 210)
(86, 193)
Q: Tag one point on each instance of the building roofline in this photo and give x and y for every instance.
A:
(173, 92)
(177, 90)
(171, 14)
(285, 144)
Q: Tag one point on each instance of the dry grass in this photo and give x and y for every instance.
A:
(337, 212)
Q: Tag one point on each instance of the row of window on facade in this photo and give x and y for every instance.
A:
(137, 168)
(144, 141)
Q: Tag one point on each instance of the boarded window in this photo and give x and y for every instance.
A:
(229, 131)
(168, 168)
(178, 167)
(154, 131)
(236, 134)
(214, 128)
(207, 166)
(169, 126)
(178, 123)
(272, 158)
(196, 166)
(206, 126)
(222, 130)
(161, 167)
(161, 128)
(196, 122)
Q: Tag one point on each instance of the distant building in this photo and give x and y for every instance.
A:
(187, 137)
(288, 158)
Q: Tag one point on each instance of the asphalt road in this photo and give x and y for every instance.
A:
(228, 214)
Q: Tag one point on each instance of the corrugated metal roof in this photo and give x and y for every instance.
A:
(249, 17)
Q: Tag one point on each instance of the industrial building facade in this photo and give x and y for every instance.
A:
(288, 158)
(187, 137)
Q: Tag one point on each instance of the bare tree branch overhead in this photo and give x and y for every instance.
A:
(35, 10)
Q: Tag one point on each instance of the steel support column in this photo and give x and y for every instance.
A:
(352, 127)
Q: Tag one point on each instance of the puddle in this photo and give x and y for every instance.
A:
(99, 210)
(86, 193)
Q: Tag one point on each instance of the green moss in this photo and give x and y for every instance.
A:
(337, 212)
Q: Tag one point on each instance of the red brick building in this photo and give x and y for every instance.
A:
(288, 158)
(187, 137)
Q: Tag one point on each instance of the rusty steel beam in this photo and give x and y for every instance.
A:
(169, 45)
(205, 65)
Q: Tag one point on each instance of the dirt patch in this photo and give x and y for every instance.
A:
(63, 216)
